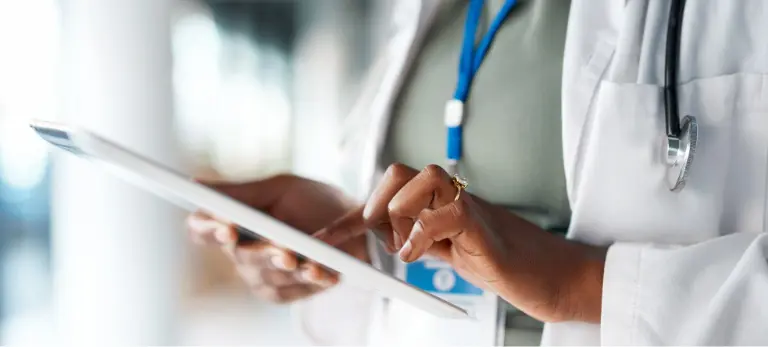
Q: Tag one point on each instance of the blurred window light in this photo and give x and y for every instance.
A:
(29, 41)
(196, 50)
(232, 100)
(29, 57)
(22, 154)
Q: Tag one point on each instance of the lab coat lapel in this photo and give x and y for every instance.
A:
(401, 53)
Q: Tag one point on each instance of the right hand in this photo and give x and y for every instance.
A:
(271, 272)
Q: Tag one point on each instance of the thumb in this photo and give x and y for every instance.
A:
(261, 194)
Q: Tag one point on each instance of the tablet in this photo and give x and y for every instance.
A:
(188, 194)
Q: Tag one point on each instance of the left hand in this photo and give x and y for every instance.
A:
(417, 213)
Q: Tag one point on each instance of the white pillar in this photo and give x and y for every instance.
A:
(319, 59)
(116, 249)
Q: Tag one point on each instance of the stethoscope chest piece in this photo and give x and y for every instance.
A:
(679, 153)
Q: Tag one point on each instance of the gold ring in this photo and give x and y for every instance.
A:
(460, 183)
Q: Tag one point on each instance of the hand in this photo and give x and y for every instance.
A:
(272, 272)
(546, 276)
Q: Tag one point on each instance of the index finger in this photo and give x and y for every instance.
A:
(260, 194)
(205, 229)
(347, 227)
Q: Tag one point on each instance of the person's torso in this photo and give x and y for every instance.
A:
(512, 153)
(512, 134)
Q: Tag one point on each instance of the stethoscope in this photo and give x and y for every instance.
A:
(681, 134)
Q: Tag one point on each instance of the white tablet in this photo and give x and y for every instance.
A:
(191, 195)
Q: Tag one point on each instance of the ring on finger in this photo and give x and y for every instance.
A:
(460, 183)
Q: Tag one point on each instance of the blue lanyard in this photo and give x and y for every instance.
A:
(469, 63)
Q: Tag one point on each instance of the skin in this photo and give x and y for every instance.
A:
(272, 272)
(416, 213)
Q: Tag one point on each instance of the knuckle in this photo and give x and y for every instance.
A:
(396, 171)
(422, 226)
(434, 172)
(369, 219)
(394, 207)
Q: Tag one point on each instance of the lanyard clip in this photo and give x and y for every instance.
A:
(454, 113)
(454, 116)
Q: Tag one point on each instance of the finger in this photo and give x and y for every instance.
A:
(252, 254)
(317, 274)
(206, 230)
(431, 188)
(376, 213)
(284, 259)
(261, 194)
(259, 268)
(201, 229)
(347, 227)
(434, 226)
(396, 238)
(264, 254)
(357, 248)
(279, 278)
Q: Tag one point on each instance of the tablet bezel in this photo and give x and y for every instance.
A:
(190, 195)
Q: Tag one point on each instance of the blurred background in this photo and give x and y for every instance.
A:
(218, 89)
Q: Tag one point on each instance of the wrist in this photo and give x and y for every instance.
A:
(584, 290)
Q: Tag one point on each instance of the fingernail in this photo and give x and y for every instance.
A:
(225, 235)
(305, 276)
(278, 262)
(405, 252)
(398, 241)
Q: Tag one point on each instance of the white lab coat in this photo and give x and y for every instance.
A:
(683, 268)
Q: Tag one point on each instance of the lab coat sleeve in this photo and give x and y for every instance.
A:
(339, 316)
(711, 293)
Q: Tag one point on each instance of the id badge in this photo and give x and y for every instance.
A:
(436, 277)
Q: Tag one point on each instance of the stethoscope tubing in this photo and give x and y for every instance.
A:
(674, 33)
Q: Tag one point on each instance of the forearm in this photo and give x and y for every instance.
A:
(573, 271)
